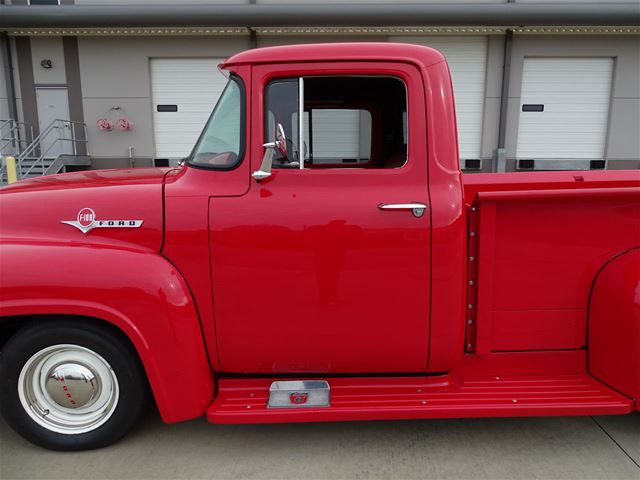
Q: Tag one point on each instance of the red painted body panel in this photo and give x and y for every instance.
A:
(186, 241)
(302, 273)
(308, 272)
(333, 53)
(138, 292)
(536, 181)
(614, 325)
(244, 400)
(448, 224)
(553, 362)
(33, 209)
(539, 252)
(112, 274)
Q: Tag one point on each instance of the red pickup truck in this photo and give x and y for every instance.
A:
(318, 257)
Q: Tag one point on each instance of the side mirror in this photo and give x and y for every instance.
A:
(281, 139)
(280, 144)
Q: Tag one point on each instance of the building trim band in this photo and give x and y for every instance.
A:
(379, 30)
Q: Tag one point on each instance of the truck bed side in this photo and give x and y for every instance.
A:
(539, 240)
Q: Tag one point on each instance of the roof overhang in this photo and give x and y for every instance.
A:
(301, 16)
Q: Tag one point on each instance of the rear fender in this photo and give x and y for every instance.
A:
(614, 325)
(140, 293)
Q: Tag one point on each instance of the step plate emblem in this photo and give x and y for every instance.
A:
(298, 398)
(87, 221)
(299, 394)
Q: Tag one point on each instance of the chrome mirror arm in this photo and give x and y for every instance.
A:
(265, 167)
(280, 144)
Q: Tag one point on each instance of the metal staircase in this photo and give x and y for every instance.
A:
(14, 136)
(61, 144)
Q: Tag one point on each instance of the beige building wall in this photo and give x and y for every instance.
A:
(48, 48)
(623, 142)
(16, 82)
(4, 103)
(115, 74)
(492, 96)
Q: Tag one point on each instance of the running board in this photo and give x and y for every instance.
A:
(246, 400)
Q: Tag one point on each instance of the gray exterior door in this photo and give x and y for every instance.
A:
(53, 104)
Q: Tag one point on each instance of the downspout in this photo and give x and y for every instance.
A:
(253, 36)
(7, 66)
(500, 156)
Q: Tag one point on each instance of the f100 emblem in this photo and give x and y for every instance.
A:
(87, 221)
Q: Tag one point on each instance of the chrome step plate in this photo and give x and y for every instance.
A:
(299, 394)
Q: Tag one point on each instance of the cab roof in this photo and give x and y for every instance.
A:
(319, 52)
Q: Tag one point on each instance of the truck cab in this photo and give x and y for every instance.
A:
(320, 256)
(339, 236)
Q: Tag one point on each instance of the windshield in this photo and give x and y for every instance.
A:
(219, 145)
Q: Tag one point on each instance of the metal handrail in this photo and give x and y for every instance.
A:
(59, 125)
(18, 134)
(35, 147)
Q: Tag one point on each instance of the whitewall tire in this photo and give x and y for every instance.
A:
(71, 385)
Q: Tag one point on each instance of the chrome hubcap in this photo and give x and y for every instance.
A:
(68, 389)
(72, 385)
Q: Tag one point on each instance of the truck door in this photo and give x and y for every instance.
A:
(323, 266)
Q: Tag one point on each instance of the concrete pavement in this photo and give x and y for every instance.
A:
(517, 448)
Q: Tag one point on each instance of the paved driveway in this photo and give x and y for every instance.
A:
(549, 448)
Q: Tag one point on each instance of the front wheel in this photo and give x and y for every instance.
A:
(70, 385)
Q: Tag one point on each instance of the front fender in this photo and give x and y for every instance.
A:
(139, 292)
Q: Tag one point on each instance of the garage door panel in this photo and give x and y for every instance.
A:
(575, 93)
(194, 86)
(342, 127)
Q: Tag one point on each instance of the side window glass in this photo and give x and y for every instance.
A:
(348, 121)
(338, 136)
(221, 144)
(355, 122)
(282, 108)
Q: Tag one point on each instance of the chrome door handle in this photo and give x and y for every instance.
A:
(416, 208)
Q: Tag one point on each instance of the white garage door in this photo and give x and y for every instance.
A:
(184, 91)
(564, 108)
(467, 59)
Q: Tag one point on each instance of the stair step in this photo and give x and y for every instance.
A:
(80, 160)
(35, 160)
(242, 400)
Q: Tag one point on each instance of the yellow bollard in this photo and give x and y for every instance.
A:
(12, 174)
